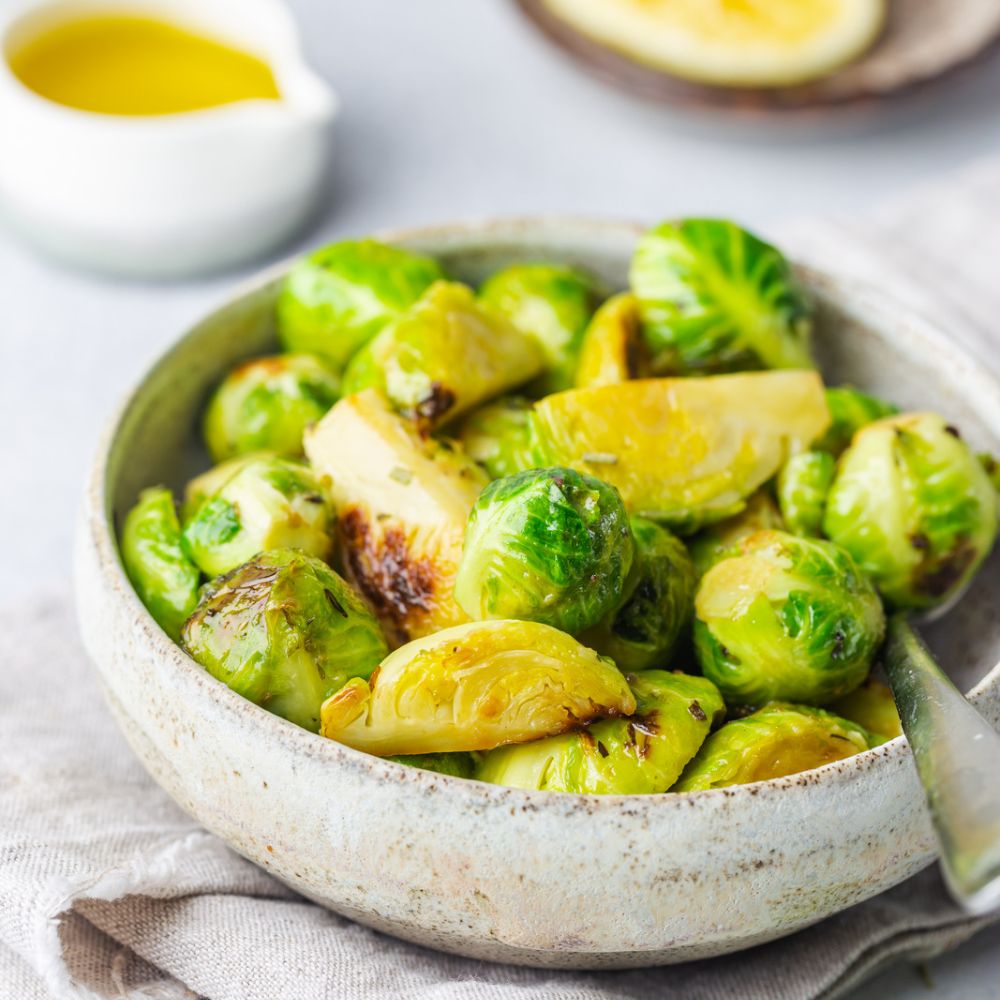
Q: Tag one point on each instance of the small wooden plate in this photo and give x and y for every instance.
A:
(923, 40)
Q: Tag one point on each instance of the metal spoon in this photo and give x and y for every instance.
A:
(958, 758)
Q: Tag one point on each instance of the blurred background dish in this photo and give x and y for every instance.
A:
(779, 62)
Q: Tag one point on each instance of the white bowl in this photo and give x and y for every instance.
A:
(498, 873)
(165, 195)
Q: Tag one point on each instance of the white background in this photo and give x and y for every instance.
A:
(455, 109)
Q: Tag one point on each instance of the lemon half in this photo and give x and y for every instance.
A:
(759, 43)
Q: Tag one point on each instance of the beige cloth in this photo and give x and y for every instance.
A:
(108, 890)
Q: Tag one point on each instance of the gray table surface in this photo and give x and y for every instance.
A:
(456, 109)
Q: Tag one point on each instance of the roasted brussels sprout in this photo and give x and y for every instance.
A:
(165, 579)
(285, 631)
(205, 485)
(553, 304)
(474, 687)
(713, 297)
(458, 765)
(803, 484)
(774, 741)
(444, 356)
(613, 349)
(266, 404)
(683, 451)
(850, 410)
(402, 502)
(787, 618)
(640, 755)
(915, 508)
(336, 299)
(498, 436)
(656, 604)
(270, 503)
(546, 545)
(722, 539)
(871, 706)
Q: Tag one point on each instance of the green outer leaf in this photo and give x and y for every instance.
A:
(787, 618)
(713, 297)
(336, 299)
(163, 576)
(850, 410)
(459, 765)
(498, 436)
(640, 755)
(803, 485)
(286, 632)
(553, 304)
(546, 545)
(722, 539)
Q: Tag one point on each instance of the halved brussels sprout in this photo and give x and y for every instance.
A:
(774, 741)
(803, 484)
(286, 632)
(265, 405)
(787, 618)
(498, 436)
(546, 545)
(403, 501)
(722, 539)
(475, 687)
(444, 356)
(553, 304)
(458, 765)
(871, 706)
(914, 507)
(656, 604)
(336, 299)
(613, 349)
(163, 576)
(271, 503)
(714, 298)
(850, 410)
(683, 451)
(205, 485)
(640, 755)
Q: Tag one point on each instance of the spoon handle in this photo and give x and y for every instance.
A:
(958, 758)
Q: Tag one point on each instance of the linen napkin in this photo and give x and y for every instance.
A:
(108, 890)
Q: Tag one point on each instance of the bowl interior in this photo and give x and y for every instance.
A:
(862, 339)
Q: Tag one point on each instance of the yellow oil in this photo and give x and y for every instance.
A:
(123, 65)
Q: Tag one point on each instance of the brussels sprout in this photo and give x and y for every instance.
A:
(336, 299)
(683, 451)
(163, 576)
(774, 741)
(286, 632)
(850, 410)
(722, 539)
(991, 467)
(546, 545)
(787, 618)
(713, 297)
(458, 765)
(641, 755)
(403, 501)
(498, 436)
(553, 304)
(657, 602)
(266, 404)
(613, 349)
(871, 706)
(803, 483)
(475, 687)
(204, 486)
(270, 503)
(444, 356)
(914, 507)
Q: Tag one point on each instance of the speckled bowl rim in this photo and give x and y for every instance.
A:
(99, 519)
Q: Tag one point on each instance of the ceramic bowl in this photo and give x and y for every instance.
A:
(502, 874)
(165, 195)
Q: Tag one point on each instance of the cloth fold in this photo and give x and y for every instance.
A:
(107, 889)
